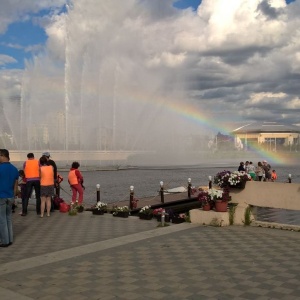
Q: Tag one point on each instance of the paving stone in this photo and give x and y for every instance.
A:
(111, 258)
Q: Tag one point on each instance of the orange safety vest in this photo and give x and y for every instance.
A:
(72, 178)
(32, 168)
(47, 175)
(274, 176)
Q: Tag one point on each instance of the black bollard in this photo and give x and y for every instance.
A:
(209, 182)
(162, 195)
(98, 192)
(290, 178)
(189, 187)
(131, 195)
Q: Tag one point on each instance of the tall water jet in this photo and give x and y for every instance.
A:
(116, 88)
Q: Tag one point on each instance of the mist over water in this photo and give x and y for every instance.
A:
(111, 91)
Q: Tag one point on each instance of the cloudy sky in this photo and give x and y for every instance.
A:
(237, 59)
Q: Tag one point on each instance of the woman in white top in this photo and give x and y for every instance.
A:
(259, 171)
(251, 170)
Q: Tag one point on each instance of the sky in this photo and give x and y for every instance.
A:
(238, 59)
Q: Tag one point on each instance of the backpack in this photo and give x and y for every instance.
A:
(56, 202)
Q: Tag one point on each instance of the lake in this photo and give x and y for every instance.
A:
(115, 184)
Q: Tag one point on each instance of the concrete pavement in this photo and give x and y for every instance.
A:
(105, 257)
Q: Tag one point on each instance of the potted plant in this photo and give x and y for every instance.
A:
(121, 211)
(80, 208)
(146, 213)
(99, 208)
(206, 202)
(231, 179)
(73, 209)
(157, 211)
(179, 218)
(220, 198)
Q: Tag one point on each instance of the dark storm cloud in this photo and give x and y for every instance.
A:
(237, 56)
(158, 9)
(269, 11)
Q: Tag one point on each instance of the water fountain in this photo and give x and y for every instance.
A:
(109, 93)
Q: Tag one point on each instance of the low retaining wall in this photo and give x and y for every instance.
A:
(268, 194)
(256, 193)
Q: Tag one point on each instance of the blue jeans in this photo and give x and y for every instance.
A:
(6, 229)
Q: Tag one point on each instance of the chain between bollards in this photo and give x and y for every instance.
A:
(131, 196)
(98, 192)
(162, 194)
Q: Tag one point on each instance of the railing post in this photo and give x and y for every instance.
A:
(209, 182)
(131, 195)
(189, 187)
(98, 192)
(162, 195)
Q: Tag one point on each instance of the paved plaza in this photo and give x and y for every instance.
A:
(105, 257)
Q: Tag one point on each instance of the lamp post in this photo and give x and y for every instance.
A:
(98, 192)
(189, 187)
(131, 194)
(162, 195)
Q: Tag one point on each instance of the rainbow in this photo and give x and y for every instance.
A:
(205, 119)
(188, 111)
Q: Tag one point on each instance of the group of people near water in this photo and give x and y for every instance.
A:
(262, 171)
(38, 174)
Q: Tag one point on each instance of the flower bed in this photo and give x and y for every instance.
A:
(146, 213)
(100, 208)
(121, 211)
(231, 179)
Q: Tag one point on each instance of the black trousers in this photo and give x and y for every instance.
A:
(30, 185)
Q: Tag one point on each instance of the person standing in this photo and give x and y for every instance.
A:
(246, 166)
(273, 176)
(47, 185)
(76, 180)
(267, 168)
(241, 167)
(9, 176)
(31, 169)
(259, 171)
(22, 185)
(53, 164)
(251, 169)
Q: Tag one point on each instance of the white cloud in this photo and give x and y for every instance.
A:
(13, 10)
(168, 59)
(6, 59)
(10, 45)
